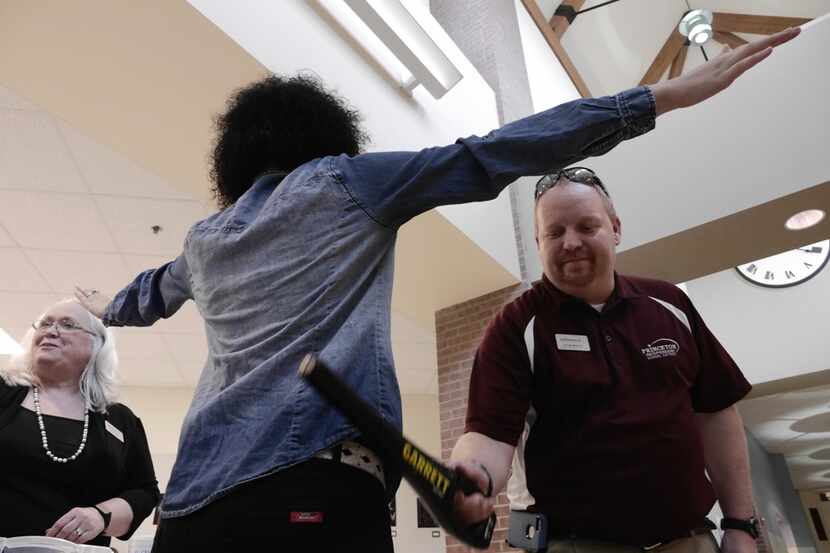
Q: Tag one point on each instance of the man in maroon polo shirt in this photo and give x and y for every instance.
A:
(608, 395)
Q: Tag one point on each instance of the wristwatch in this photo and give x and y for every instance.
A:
(106, 516)
(749, 525)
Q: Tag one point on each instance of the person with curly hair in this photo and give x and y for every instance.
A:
(301, 259)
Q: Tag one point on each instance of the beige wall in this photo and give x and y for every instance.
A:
(422, 426)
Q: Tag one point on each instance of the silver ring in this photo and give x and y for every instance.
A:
(79, 532)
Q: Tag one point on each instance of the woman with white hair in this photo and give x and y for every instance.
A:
(74, 464)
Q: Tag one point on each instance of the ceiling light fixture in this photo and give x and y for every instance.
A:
(696, 25)
(8, 345)
(407, 38)
(805, 219)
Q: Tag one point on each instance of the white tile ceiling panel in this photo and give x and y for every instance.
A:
(54, 221)
(10, 100)
(5, 239)
(186, 320)
(191, 373)
(18, 274)
(141, 343)
(108, 172)
(33, 154)
(208, 208)
(137, 264)
(131, 220)
(64, 270)
(18, 310)
(144, 372)
(188, 350)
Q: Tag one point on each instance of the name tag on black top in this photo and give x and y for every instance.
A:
(114, 431)
(572, 342)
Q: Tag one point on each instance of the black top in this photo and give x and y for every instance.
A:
(35, 491)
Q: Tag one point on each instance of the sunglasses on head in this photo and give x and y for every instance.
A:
(581, 175)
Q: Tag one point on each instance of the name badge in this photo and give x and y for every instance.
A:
(572, 342)
(114, 431)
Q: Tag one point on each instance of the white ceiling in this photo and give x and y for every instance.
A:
(633, 31)
(74, 212)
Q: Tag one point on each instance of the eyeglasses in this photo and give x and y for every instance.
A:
(581, 175)
(61, 325)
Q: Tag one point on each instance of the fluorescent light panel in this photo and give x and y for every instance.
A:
(8, 345)
(401, 33)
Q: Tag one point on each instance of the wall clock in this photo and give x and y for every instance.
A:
(787, 268)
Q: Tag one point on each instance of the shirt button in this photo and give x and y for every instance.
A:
(608, 338)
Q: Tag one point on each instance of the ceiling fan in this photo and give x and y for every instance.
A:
(695, 28)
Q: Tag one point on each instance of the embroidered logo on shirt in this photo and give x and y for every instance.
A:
(664, 347)
(306, 516)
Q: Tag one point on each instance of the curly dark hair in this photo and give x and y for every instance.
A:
(279, 123)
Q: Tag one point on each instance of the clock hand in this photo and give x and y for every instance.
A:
(811, 250)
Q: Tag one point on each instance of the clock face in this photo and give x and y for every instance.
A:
(788, 268)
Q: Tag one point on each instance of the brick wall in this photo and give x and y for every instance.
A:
(459, 330)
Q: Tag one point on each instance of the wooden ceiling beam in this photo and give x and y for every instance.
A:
(731, 40)
(664, 57)
(560, 23)
(679, 60)
(553, 41)
(754, 24)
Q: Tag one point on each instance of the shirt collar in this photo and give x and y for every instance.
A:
(623, 290)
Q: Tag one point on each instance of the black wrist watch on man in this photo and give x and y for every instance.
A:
(749, 525)
(106, 516)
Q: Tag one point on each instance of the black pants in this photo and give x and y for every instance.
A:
(257, 516)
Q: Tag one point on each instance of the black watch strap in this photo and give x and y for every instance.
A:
(748, 525)
(106, 516)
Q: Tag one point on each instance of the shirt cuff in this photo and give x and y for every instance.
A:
(638, 108)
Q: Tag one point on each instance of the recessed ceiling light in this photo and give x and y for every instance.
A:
(805, 219)
(8, 345)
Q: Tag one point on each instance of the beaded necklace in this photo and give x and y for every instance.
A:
(45, 442)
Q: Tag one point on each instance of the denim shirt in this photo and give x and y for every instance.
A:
(305, 263)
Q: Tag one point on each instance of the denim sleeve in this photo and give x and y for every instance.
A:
(393, 187)
(154, 294)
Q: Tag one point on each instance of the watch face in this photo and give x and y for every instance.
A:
(788, 268)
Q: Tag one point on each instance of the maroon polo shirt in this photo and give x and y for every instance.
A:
(614, 452)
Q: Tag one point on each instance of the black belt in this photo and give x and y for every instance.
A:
(705, 528)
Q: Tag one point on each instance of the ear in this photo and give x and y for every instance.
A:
(617, 224)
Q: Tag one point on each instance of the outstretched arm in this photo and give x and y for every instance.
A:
(705, 81)
(154, 294)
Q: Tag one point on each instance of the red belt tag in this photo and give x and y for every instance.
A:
(305, 516)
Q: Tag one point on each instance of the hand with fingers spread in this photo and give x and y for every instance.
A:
(79, 525)
(93, 300)
(710, 78)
